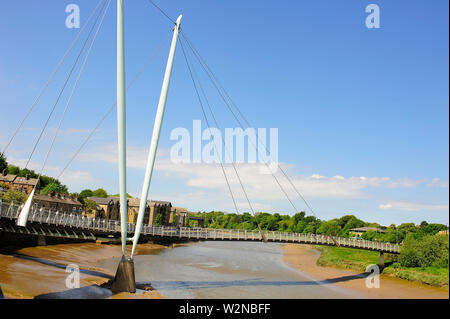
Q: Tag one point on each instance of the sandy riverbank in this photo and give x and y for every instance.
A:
(304, 259)
(35, 271)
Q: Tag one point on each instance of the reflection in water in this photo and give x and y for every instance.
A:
(230, 270)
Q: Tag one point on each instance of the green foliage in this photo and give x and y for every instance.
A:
(118, 195)
(13, 170)
(54, 188)
(3, 163)
(84, 194)
(158, 220)
(359, 259)
(430, 250)
(13, 196)
(90, 206)
(100, 193)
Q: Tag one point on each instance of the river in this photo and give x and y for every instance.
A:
(228, 270)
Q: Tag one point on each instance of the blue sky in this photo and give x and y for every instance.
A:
(362, 113)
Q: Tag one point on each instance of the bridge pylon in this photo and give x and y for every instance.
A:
(125, 280)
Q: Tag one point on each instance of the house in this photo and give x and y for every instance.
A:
(17, 183)
(6, 180)
(361, 230)
(24, 184)
(60, 203)
(110, 208)
(179, 216)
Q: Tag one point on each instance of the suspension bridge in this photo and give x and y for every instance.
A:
(28, 220)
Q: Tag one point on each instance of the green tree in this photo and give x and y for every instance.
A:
(13, 196)
(90, 206)
(158, 220)
(54, 188)
(3, 163)
(100, 193)
(431, 250)
(13, 170)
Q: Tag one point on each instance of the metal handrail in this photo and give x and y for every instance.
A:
(66, 219)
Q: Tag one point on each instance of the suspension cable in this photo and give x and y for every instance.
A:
(160, 10)
(209, 127)
(65, 84)
(263, 237)
(108, 112)
(203, 62)
(49, 79)
(80, 72)
(240, 124)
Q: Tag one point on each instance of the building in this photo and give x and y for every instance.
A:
(17, 183)
(6, 180)
(24, 184)
(361, 230)
(59, 203)
(179, 216)
(109, 208)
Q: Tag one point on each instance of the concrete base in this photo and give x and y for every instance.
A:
(381, 261)
(125, 280)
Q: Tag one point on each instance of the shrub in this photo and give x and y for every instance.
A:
(431, 250)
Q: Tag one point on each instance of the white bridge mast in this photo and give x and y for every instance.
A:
(121, 122)
(155, 136)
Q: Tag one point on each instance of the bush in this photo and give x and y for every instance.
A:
(13, 196)
(431, 250)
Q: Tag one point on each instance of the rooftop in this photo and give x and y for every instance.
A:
(56, 199)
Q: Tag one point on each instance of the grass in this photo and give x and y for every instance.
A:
(358, 260)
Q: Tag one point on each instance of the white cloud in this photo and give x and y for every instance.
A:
(258, 186)
(411, 206)
(436, 182)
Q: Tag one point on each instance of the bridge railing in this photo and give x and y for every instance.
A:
(71, 220)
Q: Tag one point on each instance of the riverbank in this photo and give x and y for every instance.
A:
(357, 260)
(38, 271)
(304, 258)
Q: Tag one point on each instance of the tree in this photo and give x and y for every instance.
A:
(100, 193)
(54, 188)
(3, 163)
(90, 206)
(27, 172)
(14, 196)
(13, 170)
(431, 250)
(158, 220)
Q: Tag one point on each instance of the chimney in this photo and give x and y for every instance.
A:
(4, 172)
(28, 177)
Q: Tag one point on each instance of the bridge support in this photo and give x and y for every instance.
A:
(41, 240)
(124, 280)
(381, 261)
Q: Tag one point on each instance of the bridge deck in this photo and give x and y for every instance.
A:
(75, 226)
